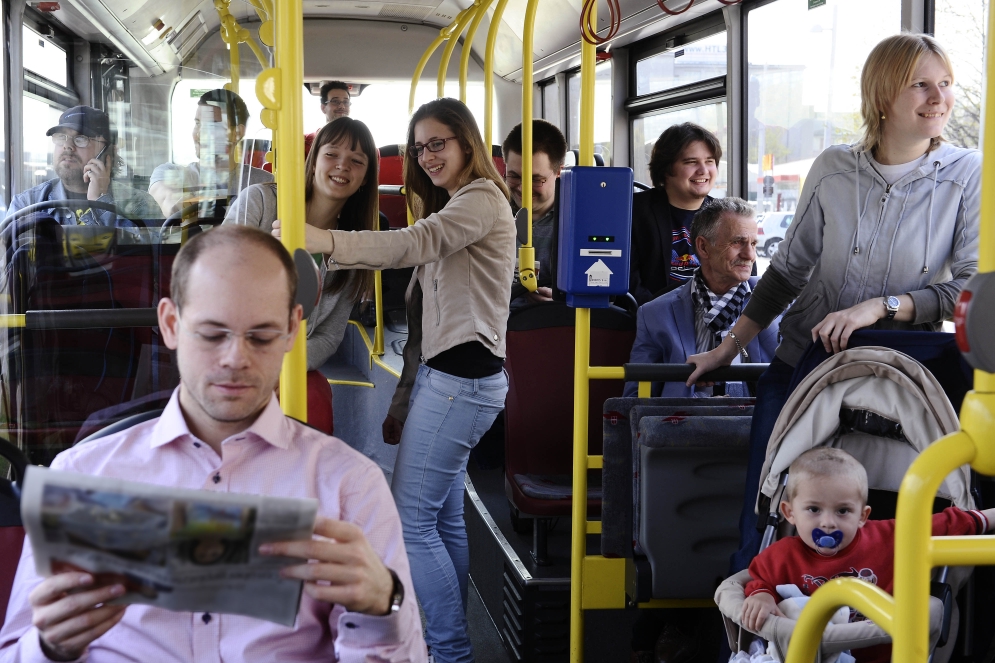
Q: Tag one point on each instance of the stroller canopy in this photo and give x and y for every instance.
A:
(881, 406)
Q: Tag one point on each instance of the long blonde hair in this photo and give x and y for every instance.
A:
(888, 69)
(421, 194)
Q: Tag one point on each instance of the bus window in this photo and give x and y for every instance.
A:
(680, 65)
(804, 91)
(602, 110)
(551, 102)
(646, 129)
(960, 26)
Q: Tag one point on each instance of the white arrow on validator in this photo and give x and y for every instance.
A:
(598, 275)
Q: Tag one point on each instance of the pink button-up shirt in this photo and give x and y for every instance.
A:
(275, 456)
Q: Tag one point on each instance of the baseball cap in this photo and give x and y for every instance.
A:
(85, 120)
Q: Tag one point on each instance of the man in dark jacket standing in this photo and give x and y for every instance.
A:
(683, 167)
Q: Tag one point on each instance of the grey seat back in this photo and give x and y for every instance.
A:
(693, 472)
(621, 464)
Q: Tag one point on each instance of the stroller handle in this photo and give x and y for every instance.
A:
(681, 372)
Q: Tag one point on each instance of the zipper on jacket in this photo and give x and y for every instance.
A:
(438, 309)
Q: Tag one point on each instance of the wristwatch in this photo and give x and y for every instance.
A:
(891, 305)
(396, 593)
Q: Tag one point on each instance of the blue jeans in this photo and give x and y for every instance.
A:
(772, 393)
(446, 418)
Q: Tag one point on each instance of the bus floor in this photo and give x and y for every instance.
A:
(530, 603)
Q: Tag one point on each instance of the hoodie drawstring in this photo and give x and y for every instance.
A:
(929, 218)
(856, 189)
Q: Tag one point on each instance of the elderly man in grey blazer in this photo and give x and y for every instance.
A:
(697, 316)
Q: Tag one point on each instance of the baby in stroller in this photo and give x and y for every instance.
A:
(826, 500)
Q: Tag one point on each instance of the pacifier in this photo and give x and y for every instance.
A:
(828, 541)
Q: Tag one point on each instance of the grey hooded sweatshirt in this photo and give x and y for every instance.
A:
(855, 237)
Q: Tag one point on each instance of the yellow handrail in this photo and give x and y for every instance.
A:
(464, 64)
(582, 360)
(420, 67)
(906, 617)
(279, 88)
(489, 72)
(526, 253)
(447, 53)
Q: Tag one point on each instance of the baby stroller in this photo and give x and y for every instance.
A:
(884, 408)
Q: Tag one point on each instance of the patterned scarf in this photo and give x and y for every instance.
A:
(714, 315)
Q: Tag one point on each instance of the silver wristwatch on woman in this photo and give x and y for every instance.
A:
(891, 305)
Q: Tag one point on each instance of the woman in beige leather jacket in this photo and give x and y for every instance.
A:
(453, 384)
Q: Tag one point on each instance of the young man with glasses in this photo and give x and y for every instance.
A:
(83, 154)
(336, 101)
(231, 319)
(549, 149)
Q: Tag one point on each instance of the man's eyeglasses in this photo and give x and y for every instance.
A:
(344, 103)
(514, 180)
(79, 140)
(212, 338)
(435, 145)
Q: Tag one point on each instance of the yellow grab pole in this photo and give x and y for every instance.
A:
(281, 86)
(489, 72)
(263, 62)
(587, 64)
(578, 527)
(447, 53)
(869, 599)
(378, 309)
(985, 382)
(420, 67)
(582, 360)
(464, 61)
(526, 253)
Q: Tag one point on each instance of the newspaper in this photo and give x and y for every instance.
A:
(184, 550)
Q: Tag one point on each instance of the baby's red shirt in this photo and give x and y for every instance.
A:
(869, 557)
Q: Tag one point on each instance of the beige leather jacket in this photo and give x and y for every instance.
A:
(464, 257)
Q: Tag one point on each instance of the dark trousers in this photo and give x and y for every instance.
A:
(772, 393)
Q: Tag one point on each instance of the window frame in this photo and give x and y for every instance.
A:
(706, 26)
(37, 86)
(690, 95)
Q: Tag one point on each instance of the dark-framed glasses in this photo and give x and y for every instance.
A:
(211, 338)
(434, 145)
(514, 179)
(79, 140)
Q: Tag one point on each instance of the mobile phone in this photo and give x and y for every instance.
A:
(100, 154)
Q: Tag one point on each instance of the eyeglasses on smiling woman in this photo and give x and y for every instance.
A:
(434, 145)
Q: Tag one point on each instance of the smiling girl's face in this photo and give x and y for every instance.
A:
(443, 167)
(339, 170)
(922, 109)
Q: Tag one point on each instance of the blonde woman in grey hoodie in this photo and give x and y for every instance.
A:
(885, 236)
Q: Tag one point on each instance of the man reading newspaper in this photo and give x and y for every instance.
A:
(231, 319)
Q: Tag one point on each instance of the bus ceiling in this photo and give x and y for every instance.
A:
(160, 37)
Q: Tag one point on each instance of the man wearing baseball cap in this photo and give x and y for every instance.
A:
(83, 146)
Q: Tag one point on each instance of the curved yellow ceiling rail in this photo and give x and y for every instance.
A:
(420, 67)
(489, 71)
(464, 65)
(447, 53)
